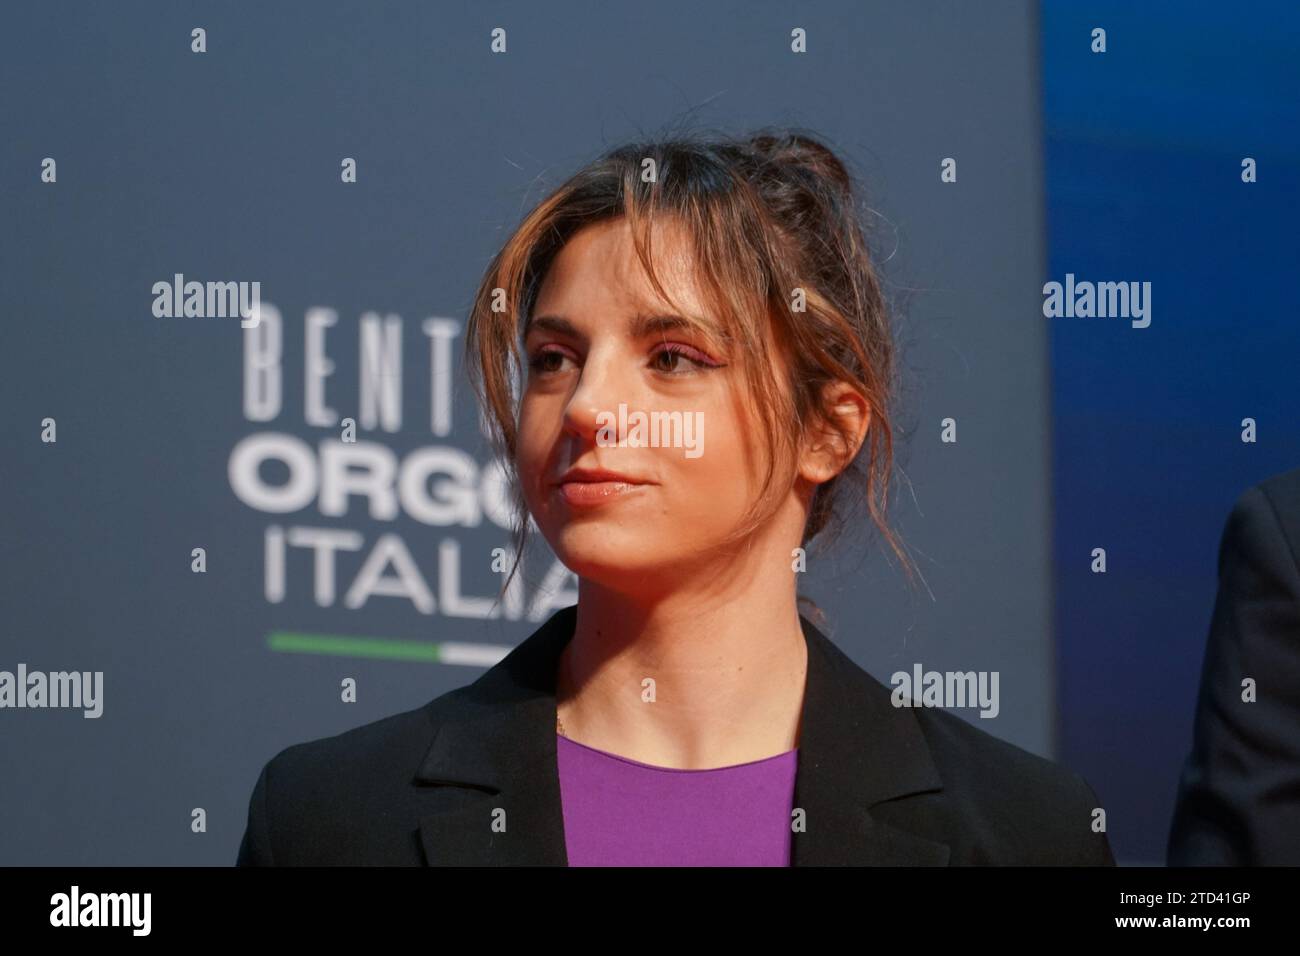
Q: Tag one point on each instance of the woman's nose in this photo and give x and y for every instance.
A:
(593, 406)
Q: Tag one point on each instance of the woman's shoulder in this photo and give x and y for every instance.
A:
(386, 750)
(1000, 803)
(926, 772)
(329, 800)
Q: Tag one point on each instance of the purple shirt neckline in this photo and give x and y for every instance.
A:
(624, 812)
(649, 766)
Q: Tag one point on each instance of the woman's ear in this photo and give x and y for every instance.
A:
(830, 449)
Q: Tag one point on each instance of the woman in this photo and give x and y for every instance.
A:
(685, 360)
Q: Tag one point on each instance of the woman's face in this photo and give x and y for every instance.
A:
(598, 339)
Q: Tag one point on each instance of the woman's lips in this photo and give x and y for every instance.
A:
(586, 493)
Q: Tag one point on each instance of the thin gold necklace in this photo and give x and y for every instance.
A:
(564, 673)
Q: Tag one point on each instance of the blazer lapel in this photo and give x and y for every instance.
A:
(494, 762)
(496, 796)
(857, 750)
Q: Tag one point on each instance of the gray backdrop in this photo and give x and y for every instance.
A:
(225, 166)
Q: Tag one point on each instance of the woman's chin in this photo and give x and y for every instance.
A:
(623, 568)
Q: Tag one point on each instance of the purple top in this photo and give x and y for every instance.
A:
(620, 812)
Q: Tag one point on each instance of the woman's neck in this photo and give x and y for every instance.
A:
(690, 680)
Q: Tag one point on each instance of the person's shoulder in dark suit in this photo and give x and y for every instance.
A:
(328, 799)
(1236, 802)
(1000, 804)
(947, 780)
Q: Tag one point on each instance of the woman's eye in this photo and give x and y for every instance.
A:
(671, 359)
(549, 360)
(667, 360)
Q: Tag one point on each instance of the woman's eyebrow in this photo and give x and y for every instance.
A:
(641, 325)
(552, 323)
(659, 325)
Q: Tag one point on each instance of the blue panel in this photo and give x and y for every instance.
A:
(1144, 146)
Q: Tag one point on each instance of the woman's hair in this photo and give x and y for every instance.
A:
(767, 215)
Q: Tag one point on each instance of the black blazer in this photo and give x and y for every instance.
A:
(1238, 797)
(880, 784)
